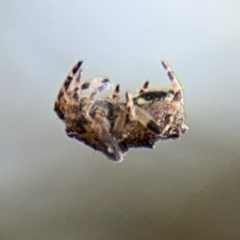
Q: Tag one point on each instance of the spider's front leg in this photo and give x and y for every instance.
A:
(175, 83)
(144, 88)
(115, 98)
(64, 99)
(175, 126)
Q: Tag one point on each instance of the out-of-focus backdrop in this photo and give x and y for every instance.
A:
(52, 187)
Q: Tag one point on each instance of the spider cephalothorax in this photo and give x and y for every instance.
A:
(113, 125)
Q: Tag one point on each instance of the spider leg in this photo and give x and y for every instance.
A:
(77, 86)
(98, 86)
(130, 107)
(86, 103)
(147, 120)
(69, 78)
(136, 113)
(176, 104)
(76, 72)
(175, 83)
(124, 116)
(144, 88)
(116, 92)
(62, 96)
(115, 96)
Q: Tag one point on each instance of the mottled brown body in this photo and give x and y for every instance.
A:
(112, 125)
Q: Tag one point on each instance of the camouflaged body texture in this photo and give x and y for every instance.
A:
(111, 125)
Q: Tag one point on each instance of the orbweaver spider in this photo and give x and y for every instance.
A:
(112, 125)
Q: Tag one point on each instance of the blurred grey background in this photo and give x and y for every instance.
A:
(52, 187)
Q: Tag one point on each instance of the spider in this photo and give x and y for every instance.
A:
(112, 125)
